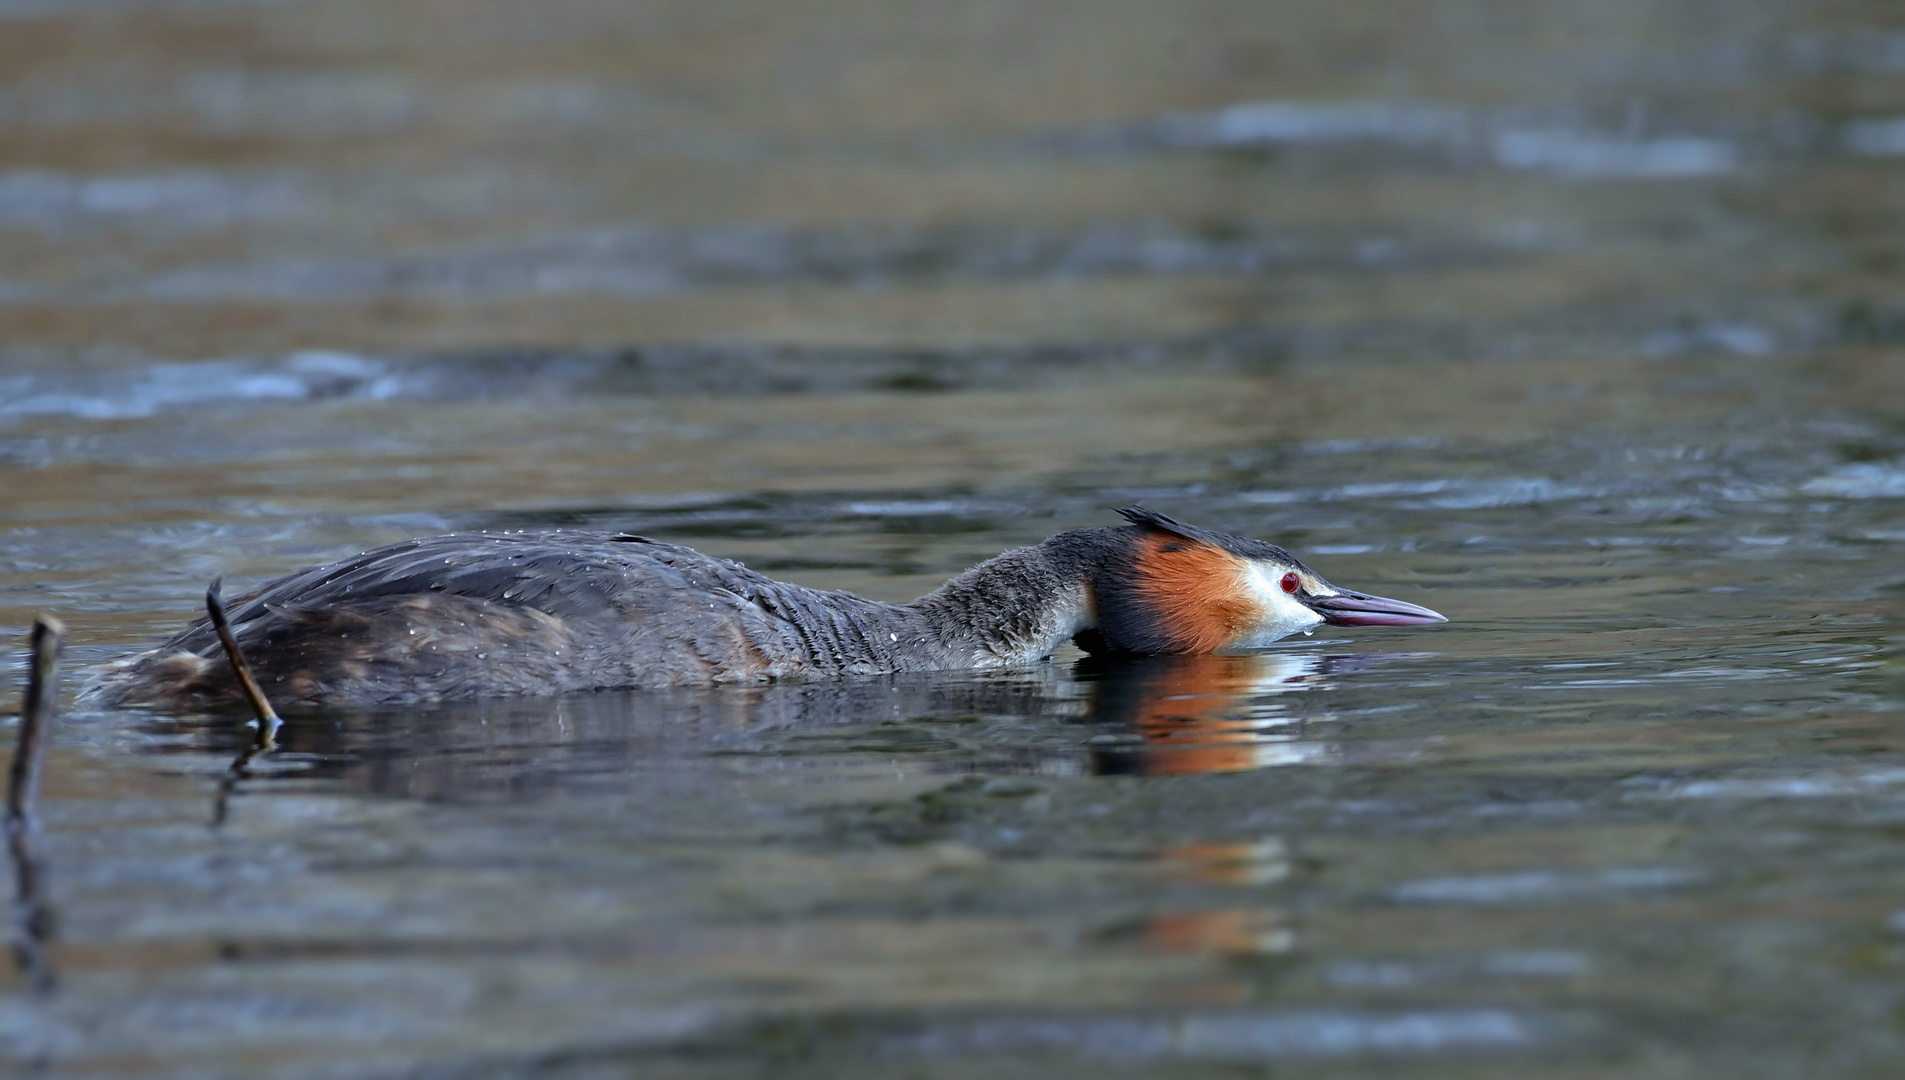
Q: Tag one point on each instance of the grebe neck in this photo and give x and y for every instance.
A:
(1012, 609)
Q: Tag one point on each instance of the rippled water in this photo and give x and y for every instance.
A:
(1577, 324)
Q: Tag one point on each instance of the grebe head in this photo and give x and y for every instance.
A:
(1190, 590)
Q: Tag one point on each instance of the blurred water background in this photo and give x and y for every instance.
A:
(1580, 323)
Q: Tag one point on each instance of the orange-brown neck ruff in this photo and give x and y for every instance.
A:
(1195, 591)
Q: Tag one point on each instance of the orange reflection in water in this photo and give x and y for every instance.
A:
(1210, 713)
(1259, 862)
(1230, 931)
(1227, 931)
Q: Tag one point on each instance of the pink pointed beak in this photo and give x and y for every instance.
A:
(1348, 608)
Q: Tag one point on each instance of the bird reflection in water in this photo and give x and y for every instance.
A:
(1233, 930)
(1150, 716)
(1252, 862)
(1215, 713)
(1211, 713)
(1226, 931)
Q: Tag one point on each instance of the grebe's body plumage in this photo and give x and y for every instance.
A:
(497, 614)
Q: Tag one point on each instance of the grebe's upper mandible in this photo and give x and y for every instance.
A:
(494, 614)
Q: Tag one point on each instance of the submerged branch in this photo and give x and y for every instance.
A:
(32, 914)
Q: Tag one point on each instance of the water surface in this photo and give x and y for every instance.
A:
(1579, 327)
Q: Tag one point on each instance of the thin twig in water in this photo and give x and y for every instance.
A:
(36, 719)
(31, 911)
(238, 770)
(268, 721)
(267, 718)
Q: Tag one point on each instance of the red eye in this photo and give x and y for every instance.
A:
(1289, 583)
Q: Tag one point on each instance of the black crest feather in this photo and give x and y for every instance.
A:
(1151, 519)
(1241, 546)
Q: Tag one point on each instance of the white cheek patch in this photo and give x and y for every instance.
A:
(1280, 614)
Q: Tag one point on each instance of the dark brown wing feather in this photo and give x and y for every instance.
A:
(468, 615)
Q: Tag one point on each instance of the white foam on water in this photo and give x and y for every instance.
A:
(1287, 121)
(1861, 480)
(1816, 786)
(120, 395)
(1565, 149)
(1242, 1036)
(1585, 155)
(1539, 885)
(52, 200)
(1875, 138)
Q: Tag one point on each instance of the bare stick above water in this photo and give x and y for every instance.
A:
(261, 707)
(31, 910)
(268, 722)
(36, 720)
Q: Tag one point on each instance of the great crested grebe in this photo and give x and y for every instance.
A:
(497, 614)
